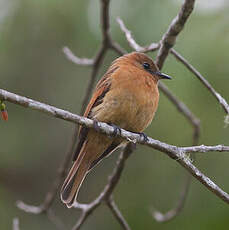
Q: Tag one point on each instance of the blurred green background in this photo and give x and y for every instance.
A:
(33, 145)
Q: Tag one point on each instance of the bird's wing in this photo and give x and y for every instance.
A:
(101, 89)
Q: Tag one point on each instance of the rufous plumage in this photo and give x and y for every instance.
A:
(127, 97)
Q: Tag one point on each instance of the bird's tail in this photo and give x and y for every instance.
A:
(74, 180)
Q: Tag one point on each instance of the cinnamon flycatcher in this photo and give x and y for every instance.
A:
(127, 97)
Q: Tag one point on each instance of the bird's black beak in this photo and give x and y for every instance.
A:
(162, 75)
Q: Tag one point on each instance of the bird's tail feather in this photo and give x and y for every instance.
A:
(74, 180)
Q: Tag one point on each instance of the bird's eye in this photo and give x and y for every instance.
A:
(146, 65)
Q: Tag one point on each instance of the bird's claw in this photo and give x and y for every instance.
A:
(116, 131)
(95, 125)
(143, 137)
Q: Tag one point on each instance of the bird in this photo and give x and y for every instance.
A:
(126, 97)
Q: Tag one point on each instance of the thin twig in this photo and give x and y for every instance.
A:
(80, 221)
(73, 58)
(106, 41)
(171, 214)
(169, 38)
(117, 48)
(182, 108)
(54, 219)
(29, 208)
(97, 62)
(129, 36)
(132, 43)
(15, 224)
(219, 98)
(118, 215)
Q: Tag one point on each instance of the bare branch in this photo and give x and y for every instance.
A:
(133, 44)
(219, 98)
(129, 37)
(105, 21)
(29, 208)
(117, 48)
(177, 153)
(55, 220)
(114, 178)
(182, 108)
(226, 121)
(97, 62)
(106, 44)
(16, 224)
(169, 38)
(171, 214)
(204, 149)
(73, 58)
(118, 215)
(80, 221)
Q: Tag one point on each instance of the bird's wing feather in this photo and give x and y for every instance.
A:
(106, 153)
(101, 89)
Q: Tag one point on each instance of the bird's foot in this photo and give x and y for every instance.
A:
(143, 137)
(116, 131)
(95, 125)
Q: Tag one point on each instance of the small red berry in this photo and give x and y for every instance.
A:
(4, 115)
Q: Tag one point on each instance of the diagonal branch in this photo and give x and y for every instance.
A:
(96, 65)
(129, 37)
(177, 153)
(115, 211)
(169, 38)
(132, 43)
(191, 68)
(54, 219)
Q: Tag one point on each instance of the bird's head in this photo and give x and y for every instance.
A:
(144, 63)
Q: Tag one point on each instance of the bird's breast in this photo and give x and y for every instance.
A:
(129, 104)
